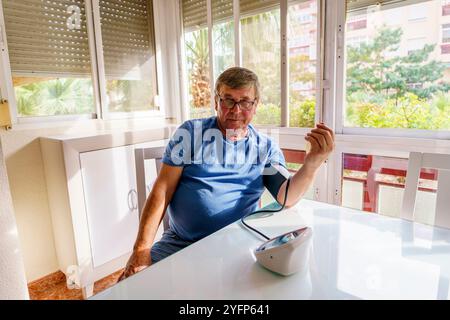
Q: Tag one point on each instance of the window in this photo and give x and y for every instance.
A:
(261, 53)
(223, 36)
(415, 45)
(356, 41)
(392, 17)
(129, 55)
(302, 64)
(196, 42)
(259, 49)
(197, 57)
(445, 7)
(398, 79)
(356, 22)
(51, 56)
(445, 49)
(418, 12)
(376, 184)
(446, 33)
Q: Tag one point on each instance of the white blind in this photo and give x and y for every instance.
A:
(128, 38)
(195, 13)
(40, 41)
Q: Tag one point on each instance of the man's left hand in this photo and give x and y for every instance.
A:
(321, 139)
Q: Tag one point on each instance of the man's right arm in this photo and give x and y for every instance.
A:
(152, 215)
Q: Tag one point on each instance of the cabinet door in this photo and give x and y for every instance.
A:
(109, 182)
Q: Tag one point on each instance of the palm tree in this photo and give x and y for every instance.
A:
(55, 97)
(197, 58)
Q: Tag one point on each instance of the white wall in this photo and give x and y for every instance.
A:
(25, 169)
(12, 273)
(23, 156)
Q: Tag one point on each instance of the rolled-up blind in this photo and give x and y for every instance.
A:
(222, 10)
(354, 5)
(253, 6)
(41, 42)
(195, 12)
(128, 38)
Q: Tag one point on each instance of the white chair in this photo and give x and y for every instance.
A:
(142, 154)
(441, 162)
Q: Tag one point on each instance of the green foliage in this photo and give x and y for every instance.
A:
(301, 114)
(267, 113)
(55, 97)
(407, 112)
(197, 54)
(388, 91)
(373, 68)
(129, 95)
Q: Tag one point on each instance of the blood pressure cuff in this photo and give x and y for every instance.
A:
(273, 177)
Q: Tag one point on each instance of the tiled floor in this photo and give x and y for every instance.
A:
(53, 287)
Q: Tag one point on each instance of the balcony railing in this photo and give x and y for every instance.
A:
(369, 178)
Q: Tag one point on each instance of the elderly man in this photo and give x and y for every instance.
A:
(212, 172)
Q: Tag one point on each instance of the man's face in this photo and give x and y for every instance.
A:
(235, 117)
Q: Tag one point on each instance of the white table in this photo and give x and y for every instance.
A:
(354, 255)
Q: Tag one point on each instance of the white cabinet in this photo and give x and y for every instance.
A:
(111, 204)
(91, 184)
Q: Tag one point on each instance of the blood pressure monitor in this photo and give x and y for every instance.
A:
(286, 254)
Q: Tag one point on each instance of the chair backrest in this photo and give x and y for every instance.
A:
(142, 154)
(441, 162)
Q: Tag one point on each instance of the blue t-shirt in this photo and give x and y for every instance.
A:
(221, 180)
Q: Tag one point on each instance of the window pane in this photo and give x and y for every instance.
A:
(197, 58)
(302, 43)
(398, 67)
(445, 7)
(129, 54)
(223, 35)
(376, 184)
(261, 54)
(49, 54)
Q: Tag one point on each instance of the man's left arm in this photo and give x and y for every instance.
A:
(321, 139)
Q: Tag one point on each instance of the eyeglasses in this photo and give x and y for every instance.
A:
(229, 103)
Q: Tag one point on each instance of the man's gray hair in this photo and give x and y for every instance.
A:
(237, 78)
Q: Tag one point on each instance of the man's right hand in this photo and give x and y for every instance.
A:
(139, 260)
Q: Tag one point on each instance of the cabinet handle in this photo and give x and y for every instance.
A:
(133, 199)
(130, 202)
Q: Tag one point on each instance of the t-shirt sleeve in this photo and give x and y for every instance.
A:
(178, 150)
(276, 156)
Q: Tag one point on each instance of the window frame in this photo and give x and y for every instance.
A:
(339, 101)
(98, 77)
(445, 28)
(284, 94)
